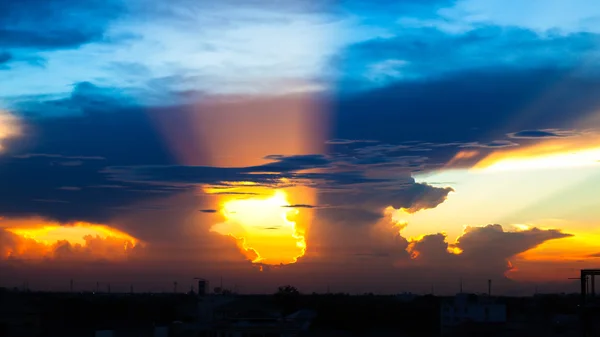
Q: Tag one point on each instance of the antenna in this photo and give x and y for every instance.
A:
(461, 285)
(131, 288)
(490, 287)
(175, 287)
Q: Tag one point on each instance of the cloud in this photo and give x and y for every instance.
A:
(70, 188)
(496, 144)
(480, 251)
(597, 255)
(79, 241)
(431, 53)
(44, 185)
(559, 98)
(5, 57)
(54, 24)
(348, 141)
(494, 238)
(208, 210)
(546, 133)
(57, 156)
(491, 246)
(563, 16)
(431, 249)
(138, 45)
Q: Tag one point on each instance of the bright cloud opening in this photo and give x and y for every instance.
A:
(264, 229)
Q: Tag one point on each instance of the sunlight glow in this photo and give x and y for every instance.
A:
(263, 229)
(9, 127)
(582, 151)
(580, 158)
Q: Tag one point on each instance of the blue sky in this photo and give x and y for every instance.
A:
(124, 112)
(145, 48)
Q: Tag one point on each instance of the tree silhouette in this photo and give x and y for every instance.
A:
(287, 290)
(287, 297)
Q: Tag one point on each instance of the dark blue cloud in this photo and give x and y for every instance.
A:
(538, 134)
(85, 97)
(294, 163)
(5, 57)
(48, 186)
(429, 52)
(480, 106)
(496, 144)
(54, 24)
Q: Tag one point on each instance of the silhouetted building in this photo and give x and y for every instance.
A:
(470, 311)
(202, 287)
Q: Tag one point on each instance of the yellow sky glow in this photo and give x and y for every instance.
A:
(264, 227)
(581, 151)
(552, 184)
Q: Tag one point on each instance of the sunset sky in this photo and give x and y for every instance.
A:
(351, 145)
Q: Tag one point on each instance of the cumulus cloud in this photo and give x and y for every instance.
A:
(430, 249)
(493, 238)
(94, 247)
(480, 250)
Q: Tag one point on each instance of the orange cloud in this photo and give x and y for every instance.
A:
(34, 239)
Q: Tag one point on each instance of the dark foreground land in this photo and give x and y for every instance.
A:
(86, 314)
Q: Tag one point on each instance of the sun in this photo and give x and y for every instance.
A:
(264, 229)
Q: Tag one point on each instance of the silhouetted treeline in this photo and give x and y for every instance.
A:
(73, 314)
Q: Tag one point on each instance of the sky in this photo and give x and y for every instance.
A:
(350, 145)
